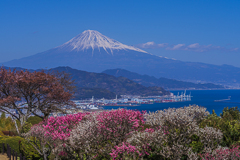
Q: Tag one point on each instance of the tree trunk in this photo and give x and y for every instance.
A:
(16, 127)
(22, 121)
(45, 157)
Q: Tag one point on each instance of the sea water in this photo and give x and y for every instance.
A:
(204, 98)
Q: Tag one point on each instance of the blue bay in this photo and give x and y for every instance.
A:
(205, 98)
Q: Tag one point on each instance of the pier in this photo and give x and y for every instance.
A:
(229, 98)
(131, 101)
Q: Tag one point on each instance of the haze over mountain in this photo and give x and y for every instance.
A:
(166, 83)
(94, 52)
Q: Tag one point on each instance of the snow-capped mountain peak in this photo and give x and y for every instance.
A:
(91, 39)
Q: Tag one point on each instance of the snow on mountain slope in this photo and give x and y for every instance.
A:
(91, 39)
(91, 51)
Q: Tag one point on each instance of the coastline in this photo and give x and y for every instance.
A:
(204, 98)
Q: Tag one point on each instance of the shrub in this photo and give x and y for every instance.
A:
(26, 127)
(176, 133)
(150, 142)
(84, 138)
(182, 133)
(28, 151)
(20, 145)
(100, 132)
(1, 133)
(51, 134)
(125, 150)
(12, 141)
(222, 153)
(232, 113)
(115, 125)
(228, 123)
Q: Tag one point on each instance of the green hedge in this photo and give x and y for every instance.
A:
(20, 145)
(228, 123)
(12, 141)
(28, 151)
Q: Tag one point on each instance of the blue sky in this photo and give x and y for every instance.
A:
(200, 30)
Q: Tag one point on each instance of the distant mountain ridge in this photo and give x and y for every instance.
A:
(93, 52)
(117, 85)
(101, 85)
(166, 83)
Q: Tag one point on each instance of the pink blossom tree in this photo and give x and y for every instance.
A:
(38, 139)
(120, 134)
(51, 135)
(222, 153)
(103, 130)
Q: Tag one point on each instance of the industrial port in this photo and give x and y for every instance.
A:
(130, 101)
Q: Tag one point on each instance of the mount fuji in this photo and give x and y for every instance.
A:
(91, 51)
(92, 40)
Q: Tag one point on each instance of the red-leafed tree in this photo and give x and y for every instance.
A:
(23, 93)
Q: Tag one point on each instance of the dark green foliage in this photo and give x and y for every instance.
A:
(228, 123)
(26, 127)
(231, 131)
(19, 144)
(34, 120)
(230, 113)
(12, 141)
(196, 144)
(28, 151)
